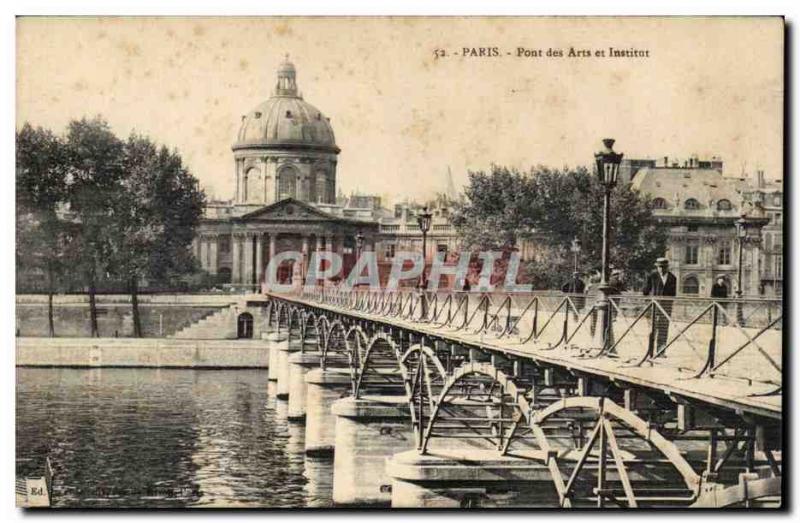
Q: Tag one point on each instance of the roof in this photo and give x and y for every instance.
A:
(285, 120)
(677, 185)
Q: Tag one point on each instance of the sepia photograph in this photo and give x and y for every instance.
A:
(399, 262)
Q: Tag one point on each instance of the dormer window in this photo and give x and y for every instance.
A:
(691, 204)
(258, 114)
(724, 205)
(659, 203)
(288, 114)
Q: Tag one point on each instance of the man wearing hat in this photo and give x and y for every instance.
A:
(576, 287)
(661, 283)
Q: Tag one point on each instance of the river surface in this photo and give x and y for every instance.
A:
(164, 438)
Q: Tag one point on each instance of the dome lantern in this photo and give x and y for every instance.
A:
(287, 83)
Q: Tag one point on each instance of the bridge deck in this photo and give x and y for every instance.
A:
(735, 394)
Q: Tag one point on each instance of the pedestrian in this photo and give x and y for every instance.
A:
(661, 284)
(719, 289)
(591, 291)
(576, 288)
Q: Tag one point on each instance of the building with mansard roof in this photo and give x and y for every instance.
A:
(699, 207)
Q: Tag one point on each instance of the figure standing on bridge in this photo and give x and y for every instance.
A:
(661, 282)
(576, 287)
(720, 291)
(591, 291)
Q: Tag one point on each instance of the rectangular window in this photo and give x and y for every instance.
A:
(389, 252)
(224, 245)
(691, 253)
(724, 255)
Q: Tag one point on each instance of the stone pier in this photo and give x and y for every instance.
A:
(300, 363)
(324, 386)
(368, 431)
(274, 339)
(285, 349)
(469, 478)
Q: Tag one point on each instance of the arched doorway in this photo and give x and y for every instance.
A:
(244, 325)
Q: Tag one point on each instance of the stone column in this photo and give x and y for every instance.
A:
(204, 253)
(236, 270)
(247, 254)
(212, 254)
(259, 257)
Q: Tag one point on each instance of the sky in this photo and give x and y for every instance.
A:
(401, 115)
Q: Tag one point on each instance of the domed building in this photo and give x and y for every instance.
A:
(285, 148)
(285, 157)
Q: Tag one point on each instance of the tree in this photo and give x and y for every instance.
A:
(550, 207)
(95, 170)
(41, 188)
(154, 217)
(104, 208)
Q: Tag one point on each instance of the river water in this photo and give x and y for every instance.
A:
(164, 438)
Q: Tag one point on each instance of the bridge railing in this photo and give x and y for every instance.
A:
(699, 337)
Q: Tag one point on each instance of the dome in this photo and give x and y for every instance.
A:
(286, 119)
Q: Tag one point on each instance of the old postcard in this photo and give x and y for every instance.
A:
(428, 262)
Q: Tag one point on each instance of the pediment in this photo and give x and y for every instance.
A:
(289, 210)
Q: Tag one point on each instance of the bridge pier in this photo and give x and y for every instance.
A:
(468, 478)
(324, 386)
(274, 339)
(368, 430)
(285, 348)
(299, 365)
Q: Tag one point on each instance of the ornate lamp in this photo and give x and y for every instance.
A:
(608, 163)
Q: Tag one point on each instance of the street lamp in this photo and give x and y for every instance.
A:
(575, 247)
(607, 172)
(424, 221)
(741, 235)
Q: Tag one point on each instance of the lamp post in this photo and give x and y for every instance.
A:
(607, 162)
(575, 247)
(741, 235)
(424, 221)
(359, 246)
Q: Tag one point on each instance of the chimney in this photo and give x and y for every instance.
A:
(761, 180)
(666, 161)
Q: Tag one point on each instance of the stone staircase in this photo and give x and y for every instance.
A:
(216, 326)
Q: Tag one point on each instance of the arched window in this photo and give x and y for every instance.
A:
(659, 203)
(287, 183)
(691, 285)
(691, 204)
(255, 185)
(724, 205)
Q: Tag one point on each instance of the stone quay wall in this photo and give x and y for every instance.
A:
(161, 315)
(141, 352)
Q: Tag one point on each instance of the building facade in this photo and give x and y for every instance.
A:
(286, 199)
(700, 207)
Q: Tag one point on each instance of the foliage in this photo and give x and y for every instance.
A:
(549, 207)
(110, 210)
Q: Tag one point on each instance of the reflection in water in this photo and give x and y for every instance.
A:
(164, 438)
